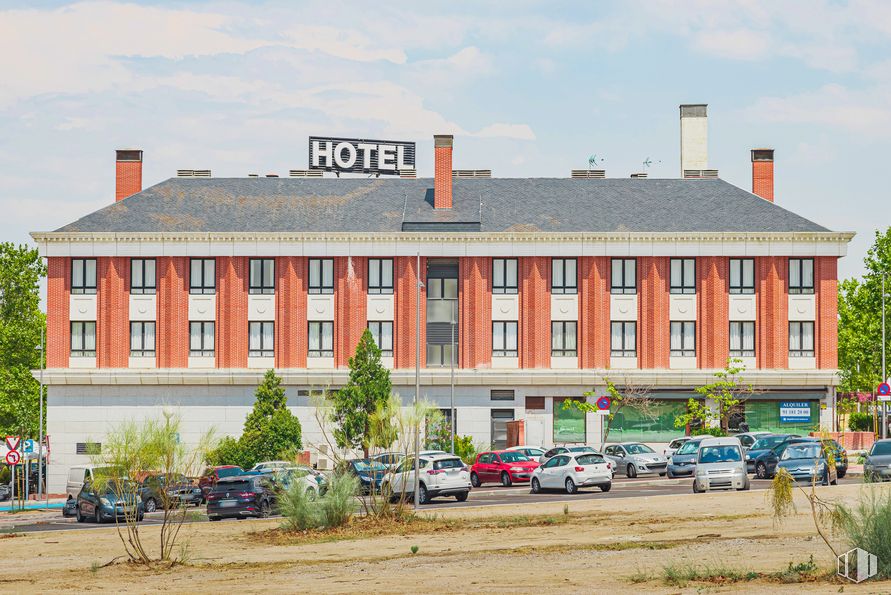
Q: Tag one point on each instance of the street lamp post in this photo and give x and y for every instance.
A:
(884, 372)
(417, 480)
(41, 488)
(452, 394)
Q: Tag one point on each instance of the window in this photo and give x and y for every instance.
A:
(801, 275)
(742, 339)
(502, 394)
(87, 448)
(623, 339)
(504, 339)
(499, 418)
(683, 339)
(83, 339)
(261, 339)
(201, 339)
(142, 339)
(321, 275)
(653, 423)
(442, 311)
(535, 403)
(142, 276)
(742, 275)
(563, 276)
(203, 276)
(563, 342)
(439, 355)
(569, 422)
(262, 279)
(624, 276)
(382, 332)
(83, 276)
(380, 275)
(683, 275)
(504, 275)
(321, 339)
(801, 339)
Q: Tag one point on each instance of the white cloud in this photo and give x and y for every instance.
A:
(502, 130)
(342, 43)
(739, 44)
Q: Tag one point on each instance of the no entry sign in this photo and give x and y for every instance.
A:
(884, 389)
(13, 457)
(603, 403)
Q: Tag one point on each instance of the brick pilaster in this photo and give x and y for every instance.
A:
(58, 304)
(406, 276)
(475, 315)
(654, 328)
(826, 331)
(290, 316)
(713, 317)
(232, 310)
(172, 330)
(350, 306)
(772, 348)
(113, 312)
(535, 312)
(594, 312)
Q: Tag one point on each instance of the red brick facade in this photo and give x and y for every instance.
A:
(772, 332)
(594, 312)
(58, 309)
(232, 312)
(475, 298)
(535, 312)
(113, 312)
(442, 176)
(713, 322)
(290, 312)
(762, 179)
(172, 330)
(653, 329)
(405, 281)
(826, 288)
(128, 179)
(350, 306)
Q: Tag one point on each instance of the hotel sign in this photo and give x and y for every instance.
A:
(356, 155)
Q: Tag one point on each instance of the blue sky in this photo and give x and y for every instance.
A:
(528, 88)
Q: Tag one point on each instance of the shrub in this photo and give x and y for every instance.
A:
(227, 452)
(709, 431)
(860, 422)
(867, 525)
(299, 509)
(333, 509)
(339, 503)
(465, 449)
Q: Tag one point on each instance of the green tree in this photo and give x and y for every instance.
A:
(367, 389)
(21, 322)
(726, 392)
(860, 320)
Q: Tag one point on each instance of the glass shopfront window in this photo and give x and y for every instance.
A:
(654, 425)
(764, 416)
(569, 423)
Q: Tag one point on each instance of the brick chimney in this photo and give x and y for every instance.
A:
(442, 171)
(762, 173)
(128, 173)
(694, 138)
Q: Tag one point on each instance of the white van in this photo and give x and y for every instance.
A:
(720, 465)
(77, 476)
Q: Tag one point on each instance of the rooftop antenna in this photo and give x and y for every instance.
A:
(647, 163)
(594, 161)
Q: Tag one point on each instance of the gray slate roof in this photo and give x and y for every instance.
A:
(487, 205)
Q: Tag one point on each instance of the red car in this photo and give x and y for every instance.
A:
(506, 466)
(212, 475)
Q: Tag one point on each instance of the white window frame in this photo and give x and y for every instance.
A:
(377, 328)
(264, 344)
(502, 270)
(621, 347)
(380, 276)
(503, 343)
(685, 345)
(317, 330)
(682, 278)
(740, 269)
(203, 350)
(321, 276)
(139, 336)
(738, 335)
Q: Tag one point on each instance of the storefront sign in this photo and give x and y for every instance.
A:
(382, 157)
(792, 412)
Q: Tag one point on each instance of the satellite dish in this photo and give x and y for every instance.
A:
(594, 161)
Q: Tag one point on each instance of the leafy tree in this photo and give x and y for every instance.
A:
(270, 429)
(368, 388)
(21, 322)
(860, 320)
(726, 392)
(637, 397)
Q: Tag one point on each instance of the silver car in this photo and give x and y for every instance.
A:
(720, 466)
(634, 458)
(878, 462)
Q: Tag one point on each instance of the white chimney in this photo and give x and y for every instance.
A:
(694, 138)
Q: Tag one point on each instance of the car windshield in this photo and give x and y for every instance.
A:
(581, 449)
(364, 466)
(881, 448)
(229, 471)
(117, 486)
(455, 463)
(766, 443)
(513, 457)
(719, 454)
(802, 451)
(590, 459)
(688, 448)
(638, 449)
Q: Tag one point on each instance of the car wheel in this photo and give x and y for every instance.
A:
(475, 480)
(834, 482)
(505, 479)
(213, 518)
(746, 486)
(151, 505)
(605, 487)
(570, 486)
(264, 510)
(696, 489)
(761, 471)
(670, 474)
(97, 516)
(79, 515)
(841, 473)
(462, 497)
(631, 471)
(139, 517)
(422, 494)
(536, 486)
(662, 474)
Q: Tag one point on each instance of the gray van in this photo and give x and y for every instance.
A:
(720, 465)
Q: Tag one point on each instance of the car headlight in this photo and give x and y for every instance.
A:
(365, 478)
(105, 501)
(516, 469)
(748, 458)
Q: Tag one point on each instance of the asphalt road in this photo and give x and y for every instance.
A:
(483, 496)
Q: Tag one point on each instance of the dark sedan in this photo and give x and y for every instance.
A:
(370, 473)
(110, 501)
(168, 491)
(807, 461)
(242, 496)
(878, 462)
(761, 459)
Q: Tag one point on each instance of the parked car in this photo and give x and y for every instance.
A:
(533, 452)
(747, 439)
(683, 462)
(212, 475)
(108, 501)
(877, 466)
(5, 492)
(271, 466)
(439, 475)
(571, 471)
(159, 491)
(720, 465)
(506, 466)
(761, 458)
(242, 496)
(390, 459)
(674, 445)
(557, 450)
(807, 461)
(285, 478)
(838, 452)
(77, 477)
(370, 473)
(634, 458)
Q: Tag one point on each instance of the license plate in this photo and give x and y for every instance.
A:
(454, 471)
(227, 503)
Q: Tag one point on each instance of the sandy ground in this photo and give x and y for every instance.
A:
(589, 553)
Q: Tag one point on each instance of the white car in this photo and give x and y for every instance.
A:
(571, 471)
(440, 475)
(267, 466)
(285, 477)
(533, 452)
(557, 450)
(674, 445)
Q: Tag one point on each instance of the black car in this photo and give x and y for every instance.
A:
(832, 448)
(242, 496)
(108, 501)
(762, 457)
(370, 473)
(168, 491)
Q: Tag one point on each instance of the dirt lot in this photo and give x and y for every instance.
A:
(598, 549)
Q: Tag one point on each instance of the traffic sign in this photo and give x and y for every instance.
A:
(29, 446)
(12, 442)
(13, 457)
(603, 403)
(884, 389)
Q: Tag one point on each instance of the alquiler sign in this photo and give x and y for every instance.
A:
(356, 155)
